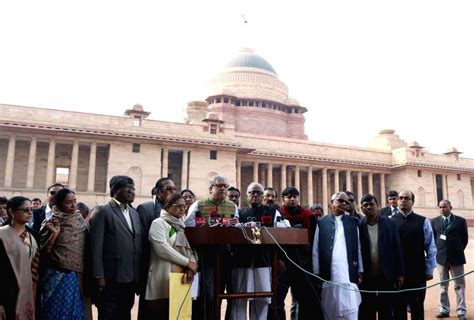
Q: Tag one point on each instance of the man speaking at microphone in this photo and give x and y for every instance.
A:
(216, 205)
(251, 271)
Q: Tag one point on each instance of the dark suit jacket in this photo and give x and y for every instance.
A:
(148, 211)
(386, 212)
(116, 251)
(38, 218)
(390, 250)
(450, 250)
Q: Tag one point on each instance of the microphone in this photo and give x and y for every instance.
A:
(233, 220)
(213, 217)
(266, 221)
(199, 220)
(280, 222)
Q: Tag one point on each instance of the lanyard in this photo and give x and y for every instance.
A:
(445, 229)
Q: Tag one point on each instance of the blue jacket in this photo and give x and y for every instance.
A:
(325, 242)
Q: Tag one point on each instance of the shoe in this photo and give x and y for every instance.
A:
(442, 315)
(462, 317)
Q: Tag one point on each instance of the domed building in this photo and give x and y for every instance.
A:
(248, 95)
(245, 126)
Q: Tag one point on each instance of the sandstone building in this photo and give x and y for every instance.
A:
(246, 128)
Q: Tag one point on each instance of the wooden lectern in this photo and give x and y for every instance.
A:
(214, 236)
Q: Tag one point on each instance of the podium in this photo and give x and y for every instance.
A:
(205, 237)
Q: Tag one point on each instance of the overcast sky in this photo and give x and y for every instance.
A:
(358, 66)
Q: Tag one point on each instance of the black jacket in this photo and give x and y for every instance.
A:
(390, 250)
(450, 250)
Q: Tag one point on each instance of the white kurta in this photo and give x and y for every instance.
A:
(340, 301)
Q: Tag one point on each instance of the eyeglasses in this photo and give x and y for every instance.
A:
(342, 201)
(169, 189)
(24, 210)
(52, 192)
(404, 198)
(255, 193)
(221, 186)
(179, 206)
(351, 200)
(291, 196)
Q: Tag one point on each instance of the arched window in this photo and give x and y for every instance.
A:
(420, 197)
(460, 200)
(136, 174)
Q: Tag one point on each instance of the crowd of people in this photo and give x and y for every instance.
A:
(59, 258)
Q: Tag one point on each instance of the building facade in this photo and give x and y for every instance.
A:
(247, 128)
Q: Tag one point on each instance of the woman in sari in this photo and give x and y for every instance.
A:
(170, 252)
(63, 239)
(19, 258)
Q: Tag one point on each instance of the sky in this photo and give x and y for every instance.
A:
(358, 66)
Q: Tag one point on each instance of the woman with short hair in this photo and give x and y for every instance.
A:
(170, 252)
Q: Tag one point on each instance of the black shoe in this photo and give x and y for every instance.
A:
(462, 317)
(442, 315)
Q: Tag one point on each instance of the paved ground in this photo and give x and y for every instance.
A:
(432, 294)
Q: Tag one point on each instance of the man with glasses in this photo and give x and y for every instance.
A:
(337, 258)
(251, 271)
(392, 208)
(419, 252)
(302, 286)
(216, 204)
(149, 211)
(116, 251)
(45, 212)
(351, 209)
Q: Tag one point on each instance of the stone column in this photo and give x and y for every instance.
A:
(348, 180)
(30, 176)
(359, 186)
(289, 177)
(92, 163)
(443, 186)
(371, 183)
(184, 170)
(269, 175)
(51, 162)
(383, 198)
(74, 161)
(325, 189)
(310, 186)
(164, 165)
(10, 162)
(283, 177)
(297, 178)
(336, 180)
(255, 171)
(238, 174)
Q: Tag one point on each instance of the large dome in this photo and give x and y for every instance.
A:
(246, 58)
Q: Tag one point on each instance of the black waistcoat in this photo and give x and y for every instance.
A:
(412, 239)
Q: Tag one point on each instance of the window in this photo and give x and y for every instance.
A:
(213, 155)
(137, 121)
(459, 177)
(213, 128)
(136, 148)
(62, 175)
(420, 174)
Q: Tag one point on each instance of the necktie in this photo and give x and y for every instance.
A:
(446, 223)
(395, 211)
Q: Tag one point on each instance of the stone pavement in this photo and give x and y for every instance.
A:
(432, 294)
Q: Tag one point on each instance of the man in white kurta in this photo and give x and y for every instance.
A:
(340, 297)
